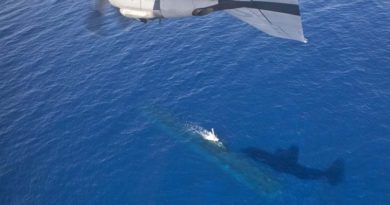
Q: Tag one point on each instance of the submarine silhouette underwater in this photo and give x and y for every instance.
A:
(247, 166)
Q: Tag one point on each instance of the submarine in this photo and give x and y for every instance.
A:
(235, 164)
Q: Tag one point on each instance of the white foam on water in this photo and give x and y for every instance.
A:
(205, 134)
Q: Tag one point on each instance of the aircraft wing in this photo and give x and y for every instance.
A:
(279, 18)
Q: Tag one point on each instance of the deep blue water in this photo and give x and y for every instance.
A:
(73, 128)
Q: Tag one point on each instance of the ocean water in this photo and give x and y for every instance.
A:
(74, 130)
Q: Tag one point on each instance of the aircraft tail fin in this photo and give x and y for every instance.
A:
(335, 173)
(279, 18)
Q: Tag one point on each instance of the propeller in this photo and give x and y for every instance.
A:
(95, 19)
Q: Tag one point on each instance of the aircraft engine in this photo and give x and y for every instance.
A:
(151, 9)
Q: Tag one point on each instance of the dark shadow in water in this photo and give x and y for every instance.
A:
(286, 161)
